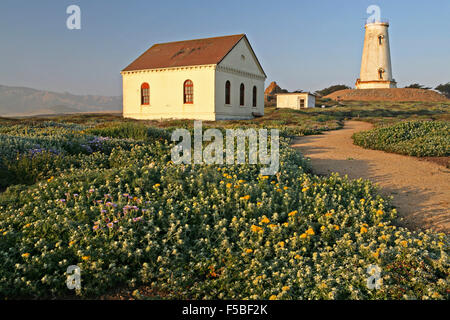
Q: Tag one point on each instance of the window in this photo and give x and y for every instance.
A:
(188, 92)
(254, 96)
(380, 39)
(242, 95)
(380, 73)
(145, 94)
(302, 103)
(227, 92)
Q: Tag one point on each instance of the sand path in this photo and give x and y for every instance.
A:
(421, 189)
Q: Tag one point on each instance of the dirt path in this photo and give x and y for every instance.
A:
(421, 189)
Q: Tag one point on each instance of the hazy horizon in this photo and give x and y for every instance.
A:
(301, 45)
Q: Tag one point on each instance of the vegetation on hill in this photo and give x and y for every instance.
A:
(331, 89)
(414, 138)
(113, 203)
(444, 89)
(417, 86)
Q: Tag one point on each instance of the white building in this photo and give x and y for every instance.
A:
(376, 69)
(206, 79)
(296, 100)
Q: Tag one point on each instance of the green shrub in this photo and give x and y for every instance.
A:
(130, 130)
(414, 138)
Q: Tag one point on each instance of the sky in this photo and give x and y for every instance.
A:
(301, 44)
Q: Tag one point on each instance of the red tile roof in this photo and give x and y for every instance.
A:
(185, 53)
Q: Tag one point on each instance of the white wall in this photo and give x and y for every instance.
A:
(291, 100)
(239, 66)
(234, 110)
(166, 93)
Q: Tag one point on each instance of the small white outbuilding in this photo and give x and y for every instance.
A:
(296, 100)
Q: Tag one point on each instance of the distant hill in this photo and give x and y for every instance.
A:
(19, 101)
(394, 94)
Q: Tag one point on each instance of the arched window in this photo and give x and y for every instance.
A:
(227, 92)
(254, 96)
(145, 94)
(380, 39)
(242, 95)
(380, 73)
(188, 92)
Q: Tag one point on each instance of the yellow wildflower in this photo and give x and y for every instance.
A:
(292, 213)
(303, 236)
(248, 250)
(26, 255)
(264, 220)
(376, 254)
(363, 230)
(286, 224)
(51, 179)
(310, 232)
(322, 228)
(404, 243)
(229, 185)
(380, 212)
(71, 243)
(85, 258)
(259, 203)
(285, 288)
(255, 228)
(273, 297)
(297, 256)
(281, 244)
(285, 188)
(245, 197)
(305, 189)
(322, 285)
(336, 227)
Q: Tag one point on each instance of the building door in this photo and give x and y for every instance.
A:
(300, 103)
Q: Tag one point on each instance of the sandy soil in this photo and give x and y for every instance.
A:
(421, 189)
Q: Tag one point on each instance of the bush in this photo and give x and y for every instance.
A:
(414, 138)
(130, 130)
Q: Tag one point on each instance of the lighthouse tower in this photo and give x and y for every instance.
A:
(376, 69)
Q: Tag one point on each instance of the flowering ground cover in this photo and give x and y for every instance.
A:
(108, 199)
(414, 138)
